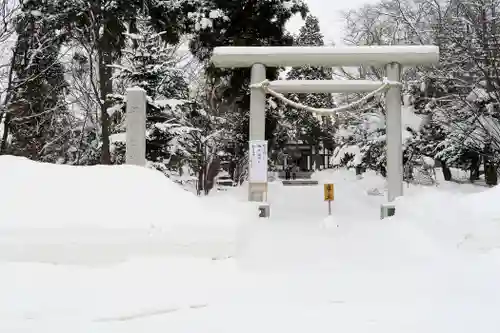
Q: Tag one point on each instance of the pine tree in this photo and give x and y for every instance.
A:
(306, 126)
(37, 106)
(101, 25)
(243, 23)
(150, 63)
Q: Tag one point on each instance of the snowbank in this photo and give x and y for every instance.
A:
(452, 215)
(455, 219)
(360, 275)
(116, 209)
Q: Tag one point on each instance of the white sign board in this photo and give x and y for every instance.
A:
(258, 161)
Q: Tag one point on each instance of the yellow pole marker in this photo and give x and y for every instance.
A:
(329, 194)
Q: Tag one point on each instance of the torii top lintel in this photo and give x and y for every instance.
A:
(294, 56)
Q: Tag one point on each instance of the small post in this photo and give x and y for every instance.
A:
(135, 119)
(264, 207)
(387, 210)
(394, 141)
(257, 125)
(264, 210)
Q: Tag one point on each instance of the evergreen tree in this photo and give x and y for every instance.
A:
(151, 64)
(243, 23)
(101, 25)
(306, 126)
(37, 107)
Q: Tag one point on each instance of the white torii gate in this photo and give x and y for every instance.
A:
(392, 57)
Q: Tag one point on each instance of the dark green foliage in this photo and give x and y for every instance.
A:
(36, 97)
(151, 64)
(243, 23)
(304, 125)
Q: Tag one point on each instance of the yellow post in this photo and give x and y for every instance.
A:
(329, 194)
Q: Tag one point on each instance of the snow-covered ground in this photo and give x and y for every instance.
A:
(122, 249)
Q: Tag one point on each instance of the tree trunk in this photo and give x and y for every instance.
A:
(383, 171)
(8, 95)
(232, 170)
(212, 171)
(490, 174)
(446, 171)
(5, 134)
(474, 168)
(201, 181)
(105, 88)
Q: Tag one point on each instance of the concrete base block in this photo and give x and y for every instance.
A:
(387, 210)
(264, 210)
(256, 191)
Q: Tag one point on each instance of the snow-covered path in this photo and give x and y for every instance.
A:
(298, 271)
(302, 236)
(305, 203)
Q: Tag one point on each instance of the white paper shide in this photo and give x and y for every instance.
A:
(258, 161)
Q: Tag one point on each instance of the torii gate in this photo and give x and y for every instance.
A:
(392, 57)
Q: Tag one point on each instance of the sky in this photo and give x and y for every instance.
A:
(328, 13)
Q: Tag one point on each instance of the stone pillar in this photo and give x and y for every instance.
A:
(257, 124)
(394, 141)
(135, 119)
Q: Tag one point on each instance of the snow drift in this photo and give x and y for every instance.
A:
(71, 212)
(451, 216)
(293, 271)
(457, 220)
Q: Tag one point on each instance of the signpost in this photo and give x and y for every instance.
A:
(258, 161)
(329, 196)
